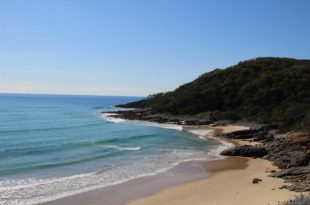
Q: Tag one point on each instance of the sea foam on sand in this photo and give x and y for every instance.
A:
(201, 133)
(205, 134)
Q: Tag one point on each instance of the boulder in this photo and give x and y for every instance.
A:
(256, 180)
(261, 135)
(246, 151)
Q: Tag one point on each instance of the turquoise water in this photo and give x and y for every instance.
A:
(52, 146)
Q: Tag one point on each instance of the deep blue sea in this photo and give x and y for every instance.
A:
(52, 146)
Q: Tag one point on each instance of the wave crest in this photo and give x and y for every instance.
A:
(109, 117)
(201, 133)
(120, 148)
(162, 125)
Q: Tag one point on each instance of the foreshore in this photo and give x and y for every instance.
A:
(224, 181)
(226, 187)
(229, 186)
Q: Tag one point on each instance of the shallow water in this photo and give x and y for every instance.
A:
(52, 146)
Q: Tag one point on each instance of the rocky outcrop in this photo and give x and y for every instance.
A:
(299, 200)
(292, 172)
(258, 135)
(147, 115)
(246, 151)
(299, 177)
(290, 152)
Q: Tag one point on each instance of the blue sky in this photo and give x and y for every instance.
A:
(139, 47)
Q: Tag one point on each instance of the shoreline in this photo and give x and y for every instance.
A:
(122, 194)
(228, 186)
(182, 172)
(159, 185)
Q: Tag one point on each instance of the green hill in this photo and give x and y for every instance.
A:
(269, 90)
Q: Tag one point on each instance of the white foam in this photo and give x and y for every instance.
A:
(161, 125)
(109, 117)
(122, 148)
(34, 191)
(108, 114)
(123, 109)
(202, 133)
(205, 134)
(132, 148)
(115, 120)
(216, 151)
(202, 138)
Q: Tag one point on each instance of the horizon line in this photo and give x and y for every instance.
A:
(65, 94)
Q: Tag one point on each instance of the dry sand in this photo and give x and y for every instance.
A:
(230, 128)
(233, 128)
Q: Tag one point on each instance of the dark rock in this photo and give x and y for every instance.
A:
(223, 122)
(290, 150)
(300, 186)
(270, 127)
(299, 177)
(261, 135)
(299, 200)
(283, 187)
(294, 171)
(205, 122)
(246, 151)
(256, 180)
(147, 115)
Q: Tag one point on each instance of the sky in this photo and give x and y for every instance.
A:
(139, 47)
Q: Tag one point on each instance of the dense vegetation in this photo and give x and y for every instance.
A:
(269, 90)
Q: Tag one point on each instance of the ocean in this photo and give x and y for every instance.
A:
(53, 146)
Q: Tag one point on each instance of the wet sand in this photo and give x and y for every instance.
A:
(183, 173)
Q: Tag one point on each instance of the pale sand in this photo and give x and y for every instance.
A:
(233, 128)
(229, 187)
(230, 128)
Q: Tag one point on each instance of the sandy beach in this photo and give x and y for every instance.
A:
(230, 128)
(225, 181)
(228, 187)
